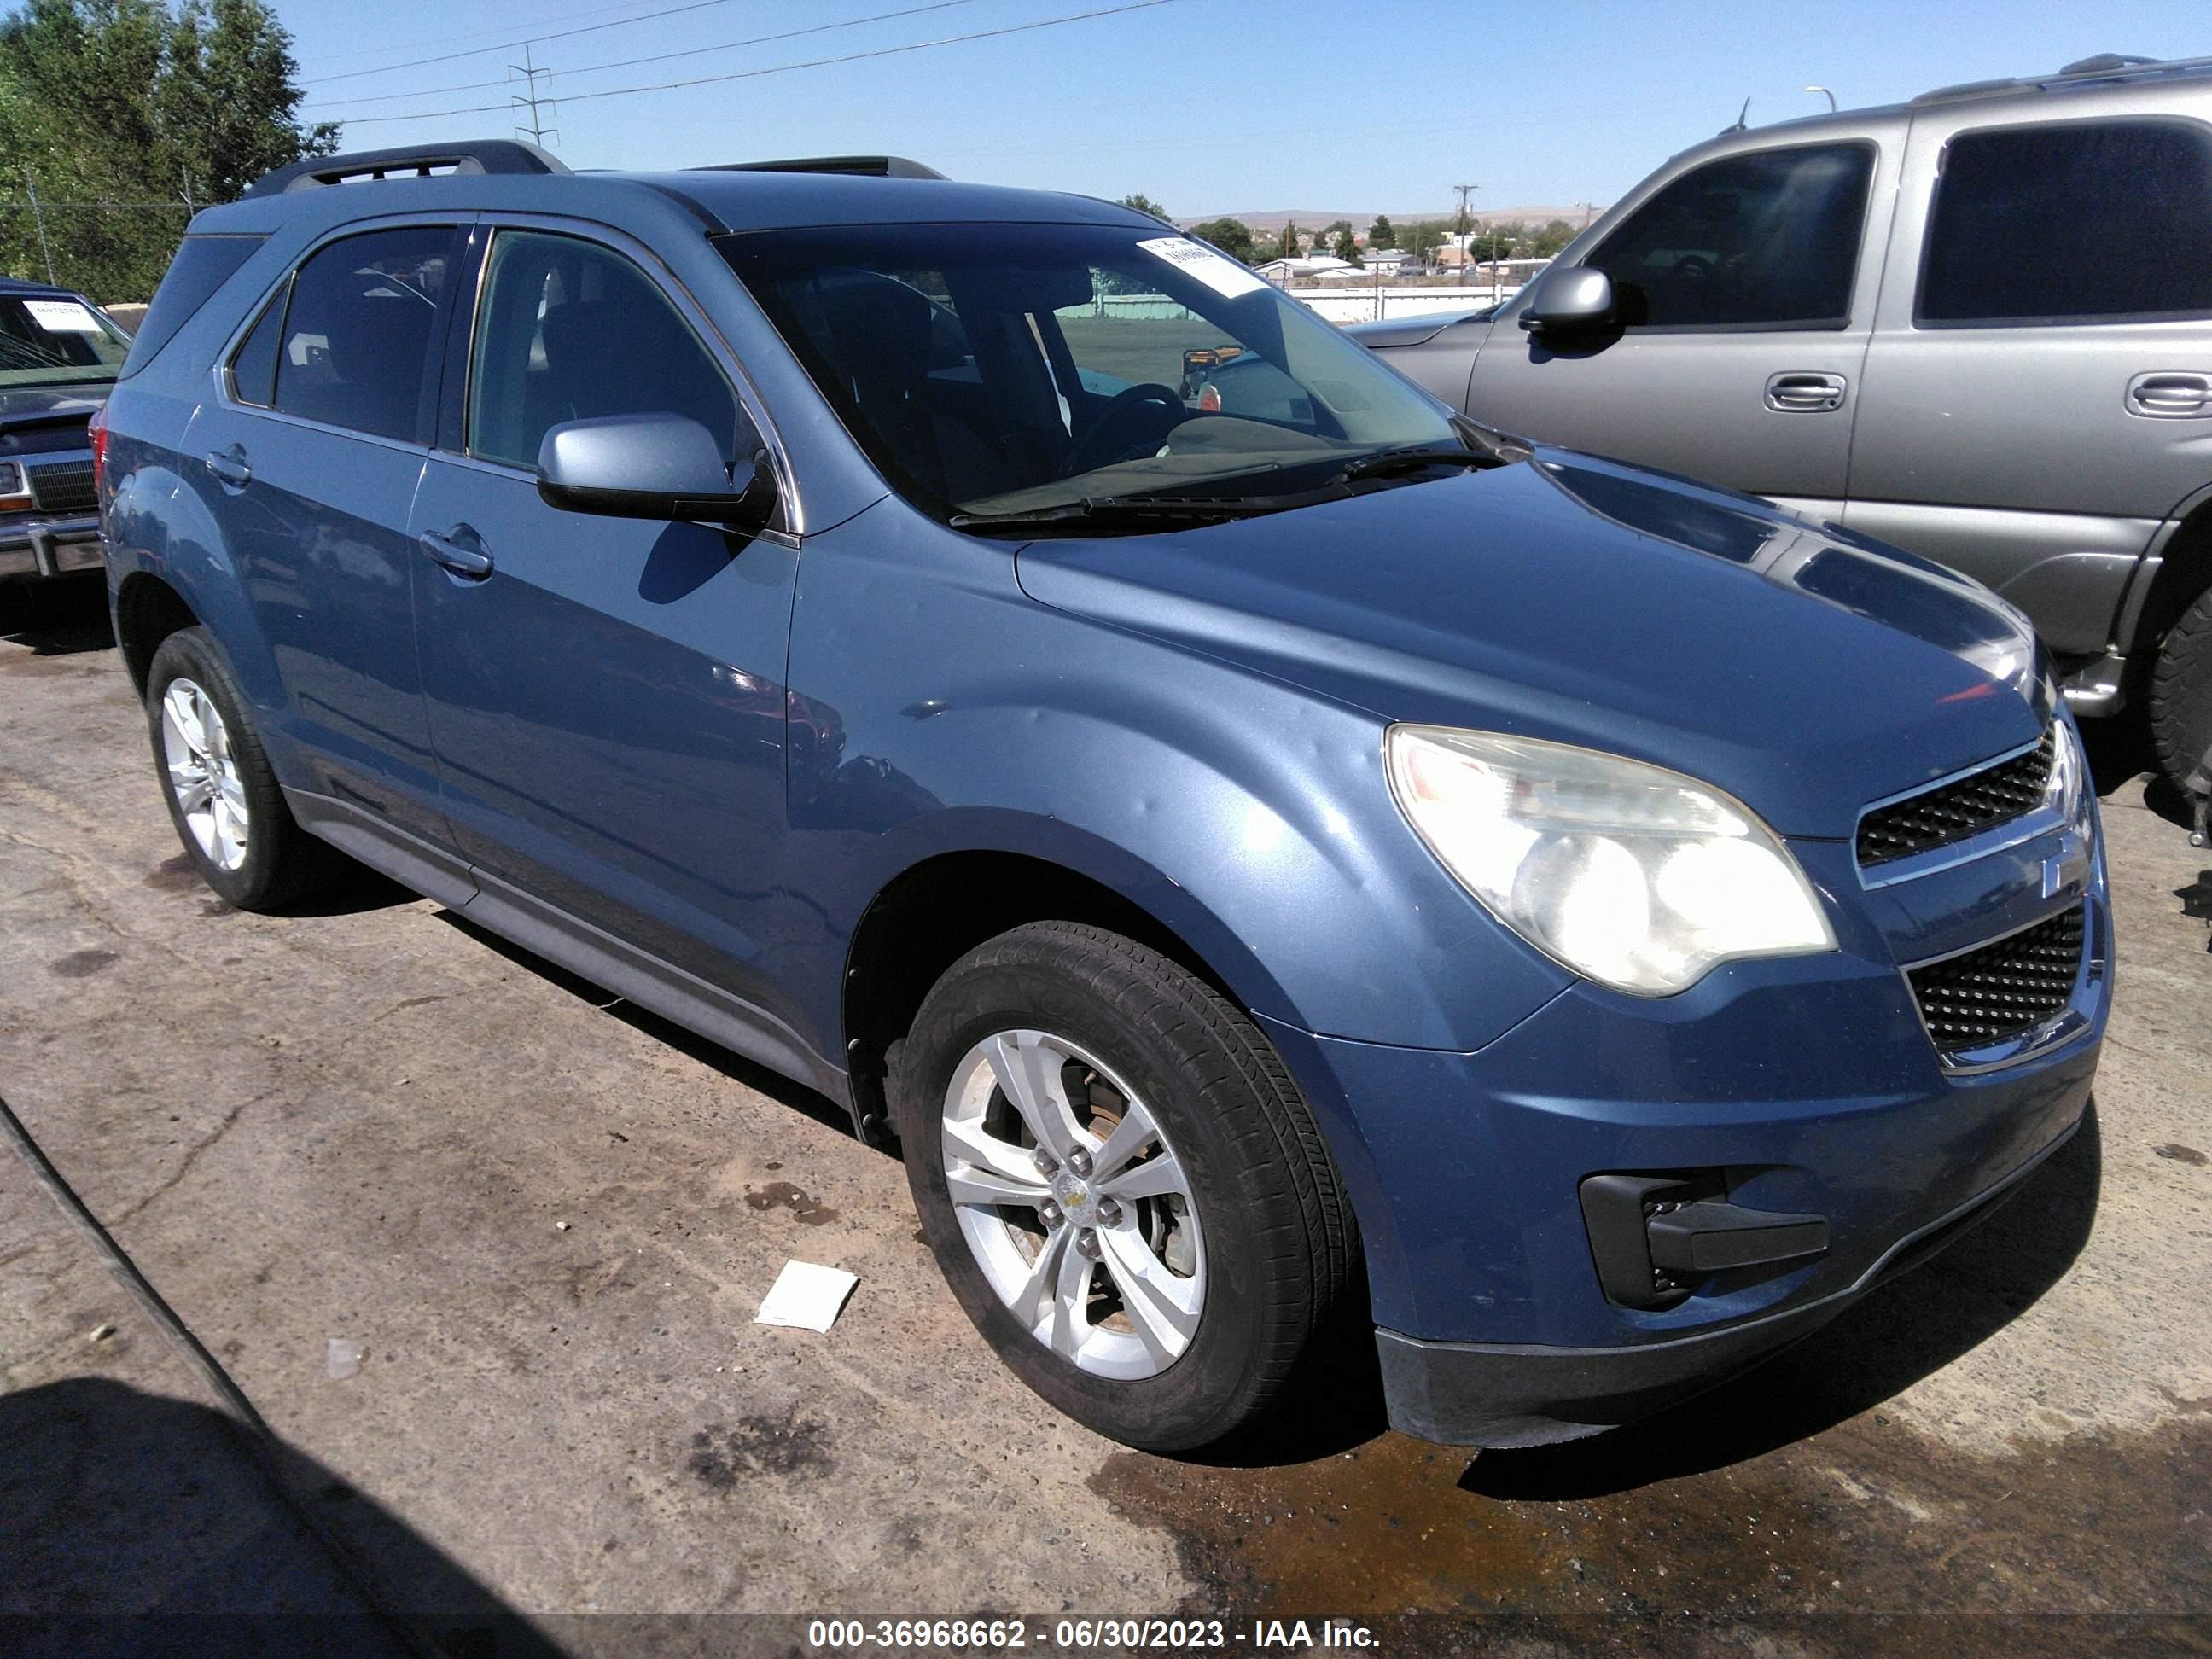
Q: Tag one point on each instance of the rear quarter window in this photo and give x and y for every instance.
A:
(203, 264)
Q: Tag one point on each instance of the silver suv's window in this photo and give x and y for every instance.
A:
(569, 330)
(354, 346)
(2091, 220)
(1766, 241)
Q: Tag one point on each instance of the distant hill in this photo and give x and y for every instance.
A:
(1273, 219)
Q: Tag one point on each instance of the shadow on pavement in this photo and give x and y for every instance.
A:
(735, 1067)
(1879, 1348)
(2119, 751)
(59, 617)
(133, 1523)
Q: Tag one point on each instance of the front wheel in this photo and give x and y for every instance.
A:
(1122, 1183)
(2181, 692)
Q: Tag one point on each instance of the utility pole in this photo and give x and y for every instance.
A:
(531, 99)
(1465, 227)
(38, 218)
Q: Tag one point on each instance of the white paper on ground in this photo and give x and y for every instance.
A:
(806, 1297)
(1221, 273)
(61, 317)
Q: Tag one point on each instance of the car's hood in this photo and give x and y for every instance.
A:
(1804, 669)
(1391, 331)
(26, 410)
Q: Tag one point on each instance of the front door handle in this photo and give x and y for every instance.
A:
(460, 550)
(2169, 395)
(1800, 392)
(230, 466)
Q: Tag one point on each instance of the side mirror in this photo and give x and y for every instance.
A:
(648, 466)
(1576, 300)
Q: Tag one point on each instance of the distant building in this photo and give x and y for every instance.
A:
(1305, 269)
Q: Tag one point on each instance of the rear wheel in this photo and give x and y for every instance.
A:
(2181, 691)
(1122, 1183)
(222, 797)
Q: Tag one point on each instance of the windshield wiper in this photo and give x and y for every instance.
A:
(1388, 462)
(1126, 509)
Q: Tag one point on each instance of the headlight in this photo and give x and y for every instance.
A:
(1634, 876)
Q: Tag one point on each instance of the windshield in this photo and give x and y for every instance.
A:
(50, 340)
(993, 370)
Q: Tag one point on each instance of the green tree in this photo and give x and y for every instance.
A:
(1422, 238)
(1347, 247)
(1555, 235)
(128, 114)
(1380, 234)
(1287, 243)
(1232, 236)
(1143, 204)
(1336, 227)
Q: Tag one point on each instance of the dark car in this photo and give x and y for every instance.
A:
(59, 354)
(1977, 326)
(1267, 870)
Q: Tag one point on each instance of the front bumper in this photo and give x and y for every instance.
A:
(1801, 1087)
(1501, 1395)
(50, 547)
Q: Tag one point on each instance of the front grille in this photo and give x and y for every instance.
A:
(2001, 989)
(1953, 812)
(64, 486)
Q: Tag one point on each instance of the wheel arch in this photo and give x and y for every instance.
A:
(148, 610)
(2184, 571)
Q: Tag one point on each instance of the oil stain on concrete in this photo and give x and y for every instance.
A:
(785, 1447)
(782, 1195)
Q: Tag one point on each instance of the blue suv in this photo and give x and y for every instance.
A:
(1279, 867)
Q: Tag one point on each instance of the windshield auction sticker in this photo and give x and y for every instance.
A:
(61, 317)
(1223, 275)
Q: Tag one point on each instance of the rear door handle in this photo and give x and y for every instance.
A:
(2169, 395)
(230, 466)
(460, 550)
(1800, 392)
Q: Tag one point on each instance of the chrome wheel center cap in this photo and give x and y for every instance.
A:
(1073, 1196)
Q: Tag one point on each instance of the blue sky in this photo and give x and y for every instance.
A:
(1207, 106)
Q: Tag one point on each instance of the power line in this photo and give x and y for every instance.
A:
(510, 45)
(471, 35)
(657, 56)
(529, 69)
(783, 68)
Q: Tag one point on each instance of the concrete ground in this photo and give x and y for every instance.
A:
(544, 1218)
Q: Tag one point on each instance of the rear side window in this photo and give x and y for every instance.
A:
(203, 264)
(1767, 240)
(253, 367)
(2093, 219)
(355, 348)
(568, 331)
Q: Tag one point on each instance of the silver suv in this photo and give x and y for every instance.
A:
(1977, 326)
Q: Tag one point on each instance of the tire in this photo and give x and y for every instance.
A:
(1232, 1233)
(222, 797)
(2181, 692)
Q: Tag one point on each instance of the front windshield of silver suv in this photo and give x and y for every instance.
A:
(992, 370)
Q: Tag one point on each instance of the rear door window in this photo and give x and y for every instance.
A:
(569, 330)
(1769, 239)
(356, 350)
(2091, 221)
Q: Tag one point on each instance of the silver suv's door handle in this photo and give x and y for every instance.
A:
(230, 466)
(1796, 393)
(2169, 395)
(460, 550)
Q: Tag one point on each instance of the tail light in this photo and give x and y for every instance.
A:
(96, 429)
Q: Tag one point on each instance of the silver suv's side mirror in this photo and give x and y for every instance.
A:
(648, 466)
(1576, 299)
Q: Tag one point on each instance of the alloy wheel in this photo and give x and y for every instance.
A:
(1076, 1209)
(203, 775)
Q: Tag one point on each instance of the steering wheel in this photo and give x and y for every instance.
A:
(1695, 264)
(1115, 431)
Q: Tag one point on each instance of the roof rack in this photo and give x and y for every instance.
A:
(412, 160)
(866, 167)
(2105, 67)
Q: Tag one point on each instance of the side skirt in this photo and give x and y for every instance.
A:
(576, 945)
